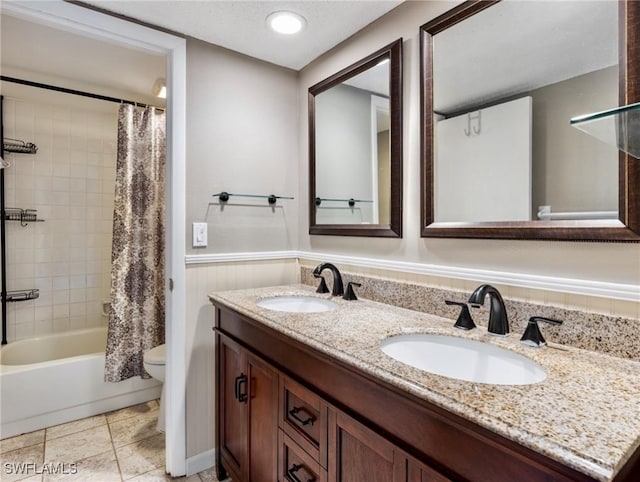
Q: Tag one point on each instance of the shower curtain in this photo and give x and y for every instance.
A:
(136, 316)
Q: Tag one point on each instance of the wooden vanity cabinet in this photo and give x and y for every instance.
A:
(270, 424)
(348, 426)
(247, 419)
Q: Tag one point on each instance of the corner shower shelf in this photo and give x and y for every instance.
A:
(619, 127)
(23, 295)
(19, 147)
(25, 216)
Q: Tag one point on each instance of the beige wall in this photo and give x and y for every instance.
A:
(571, 170)
(242, 118)
(615, 263)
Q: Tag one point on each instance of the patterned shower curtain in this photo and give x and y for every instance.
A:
(136, 317)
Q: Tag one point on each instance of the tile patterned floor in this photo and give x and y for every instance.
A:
(115, 446)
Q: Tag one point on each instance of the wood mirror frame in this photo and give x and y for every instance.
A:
(393, 52)
(626, 228)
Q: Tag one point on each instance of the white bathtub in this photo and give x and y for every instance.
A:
(59, 378)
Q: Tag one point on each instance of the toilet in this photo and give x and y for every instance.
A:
(154, 364)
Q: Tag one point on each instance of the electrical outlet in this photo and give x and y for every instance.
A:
(199, 235)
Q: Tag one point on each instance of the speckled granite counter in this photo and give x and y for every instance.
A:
(586, 414)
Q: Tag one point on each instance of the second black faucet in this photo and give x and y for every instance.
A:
(338, 287)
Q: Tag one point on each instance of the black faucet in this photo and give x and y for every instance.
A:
(338, 287)
(498, 322)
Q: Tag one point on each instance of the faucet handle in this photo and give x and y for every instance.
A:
(350, 295)
(532, 336)
(464, 321)
(322, 287)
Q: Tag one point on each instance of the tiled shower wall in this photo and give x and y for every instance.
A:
(70, 181)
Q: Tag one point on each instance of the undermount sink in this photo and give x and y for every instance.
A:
(297, 304)
(463, 359)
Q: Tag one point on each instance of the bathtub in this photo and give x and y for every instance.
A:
(59, 378)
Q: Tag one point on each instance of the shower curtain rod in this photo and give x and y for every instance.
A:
(75, 92)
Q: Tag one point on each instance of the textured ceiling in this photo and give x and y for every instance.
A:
(241, 25)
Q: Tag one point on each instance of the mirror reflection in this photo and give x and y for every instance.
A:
(355, 148)
(353, 162)
(506, 82)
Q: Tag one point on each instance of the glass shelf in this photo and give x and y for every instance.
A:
(619, 127)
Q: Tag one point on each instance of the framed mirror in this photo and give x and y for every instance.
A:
(500, 81)
(355, 148)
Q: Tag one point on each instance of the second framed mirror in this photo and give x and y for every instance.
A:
(501, 82)
(355, 148)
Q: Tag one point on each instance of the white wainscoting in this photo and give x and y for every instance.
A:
(201, 280)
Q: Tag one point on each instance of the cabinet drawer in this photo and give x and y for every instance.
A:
(303, 417)
(295, 465)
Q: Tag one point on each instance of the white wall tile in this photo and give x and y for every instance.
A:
(78, 295)
(71, 183)
(43, 313)
(61, 311)
(61, 283)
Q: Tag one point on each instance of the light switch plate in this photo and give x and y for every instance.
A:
(199, 235)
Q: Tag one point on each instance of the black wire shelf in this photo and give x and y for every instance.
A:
(22, 295)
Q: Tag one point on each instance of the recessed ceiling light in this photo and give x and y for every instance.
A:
(286, 22)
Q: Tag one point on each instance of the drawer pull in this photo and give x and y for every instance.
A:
(307, 421)
(240, 395)
(292, 474)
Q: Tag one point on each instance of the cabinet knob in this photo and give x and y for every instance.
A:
(294, 414)
(292, 474)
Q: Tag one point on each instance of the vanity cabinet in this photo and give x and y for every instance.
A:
(314, 441)
(248, 401)
(290, 412)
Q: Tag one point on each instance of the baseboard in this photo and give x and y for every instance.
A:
(201, 461)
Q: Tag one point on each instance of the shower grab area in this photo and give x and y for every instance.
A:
(63, 179)
(57, 184)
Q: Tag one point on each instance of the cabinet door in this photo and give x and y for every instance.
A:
(233, 382)
(357, 454)
(263, 420)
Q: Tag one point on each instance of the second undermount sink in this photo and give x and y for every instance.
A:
(463, 359)
(297, 304)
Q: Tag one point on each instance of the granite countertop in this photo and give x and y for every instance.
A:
(586, 414)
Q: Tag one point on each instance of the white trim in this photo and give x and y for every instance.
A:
(83, 21)
(176, 307)
(565, 285)
(239, 257)
(202, 461)
(77, 19)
